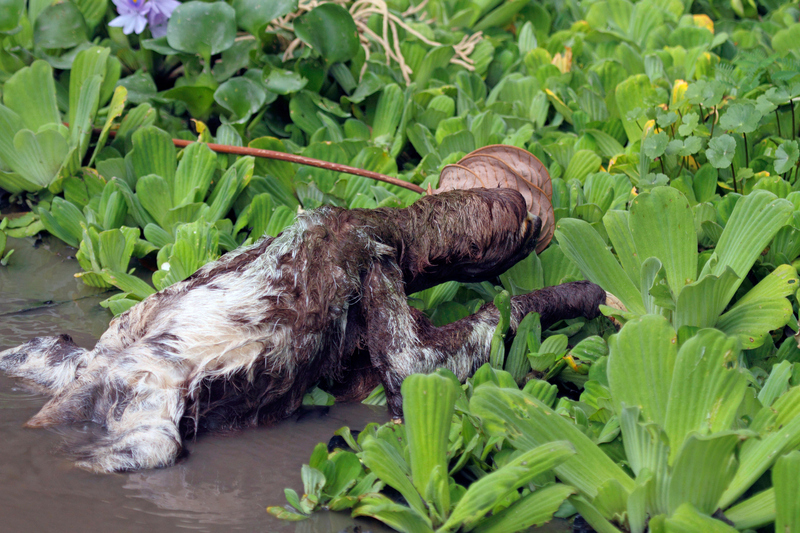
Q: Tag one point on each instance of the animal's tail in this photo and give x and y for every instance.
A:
(51, 363)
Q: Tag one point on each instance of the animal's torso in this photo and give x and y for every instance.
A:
(248, 334)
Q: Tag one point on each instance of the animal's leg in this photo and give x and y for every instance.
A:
(402, 341)
(137, 395)
(51, 363)
(144, 435)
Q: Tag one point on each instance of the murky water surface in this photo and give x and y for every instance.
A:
(224, 484)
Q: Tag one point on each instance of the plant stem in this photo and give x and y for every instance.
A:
(661, 160)
(794, 127)
(713, 122)
(734, 178)
(746, 155)
(702, 114)
(778, 122)
(299, 159)
(291, 158)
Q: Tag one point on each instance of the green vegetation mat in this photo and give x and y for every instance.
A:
(669, 129)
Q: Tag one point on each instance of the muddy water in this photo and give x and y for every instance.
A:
(225, 483)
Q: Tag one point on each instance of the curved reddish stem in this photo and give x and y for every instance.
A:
(301, 160)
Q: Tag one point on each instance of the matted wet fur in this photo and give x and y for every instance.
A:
(241, 341)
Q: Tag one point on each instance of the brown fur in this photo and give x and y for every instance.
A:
(242, 340)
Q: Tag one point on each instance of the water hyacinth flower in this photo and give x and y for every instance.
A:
(135, 15)
(158, 16)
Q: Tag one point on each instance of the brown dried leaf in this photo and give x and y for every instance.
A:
(523, 162)
(501, 166)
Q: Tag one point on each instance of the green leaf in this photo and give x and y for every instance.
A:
(92, 10)
(701, 303)
(155, 196)
(740, 118)
(347, 469)
(517, 362)
(253, 15)
(533, 510)
(786, 479)
(527, 423)
(281, 81)
(195, 172)
(721, 150)
(707, 388)
(640, 365)
(617, 226)
(389, 110)
(687, 519)
(281, 217)
(662, 226)
(241, 96)
(195, 245)
(584, 246)
(198, 98)
(753, 321)
(500, 16)
(81, 127)
(128, 283)
(583, 163)
(285, 514)
(655, 144)
(754, 222)
(135, 208)
(592, 516)
(153, 153)
(158, 235)
(689, 123)
(64, 221)
(754, 512)
(630, 95)
(779, 429)
(329, 29)
(60, 25)
(396, 516)
(232, 183)
(786, 156)
(31, 93)
(776, 384)
(40, 155)
(202, 28)
(116, 248)
(428, 403)
(485, 493)
(88, 63)
(10, 12)
(115, 109)
(705, 183)
(386, 462)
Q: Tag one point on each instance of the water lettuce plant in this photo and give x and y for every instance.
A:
(658, 269)
(696, 436)
(415, 460)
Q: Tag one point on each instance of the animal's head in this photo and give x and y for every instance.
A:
(464, 235)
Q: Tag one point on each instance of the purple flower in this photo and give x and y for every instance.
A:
(132, 15)
(158, 16)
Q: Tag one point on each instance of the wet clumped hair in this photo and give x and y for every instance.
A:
(240, 342)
